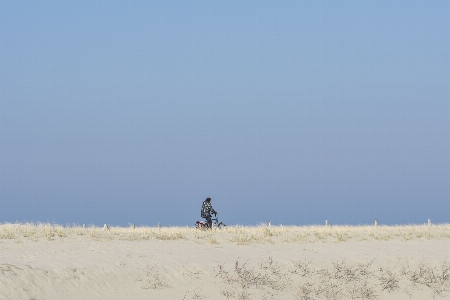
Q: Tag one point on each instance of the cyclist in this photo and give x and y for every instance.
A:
(207, 209)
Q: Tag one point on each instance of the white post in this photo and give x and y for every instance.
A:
(159, 226)
(429, 222)
(270, 223)
(326, 223)
(84, 226)
(105, 227)
(376, 222)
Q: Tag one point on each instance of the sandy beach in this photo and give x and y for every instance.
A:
(203, 265)
(320, 130)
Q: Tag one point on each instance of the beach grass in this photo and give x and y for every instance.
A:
(238, 234)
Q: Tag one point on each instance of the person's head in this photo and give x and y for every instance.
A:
(208, 199)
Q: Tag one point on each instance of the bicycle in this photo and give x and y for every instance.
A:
(215, 223)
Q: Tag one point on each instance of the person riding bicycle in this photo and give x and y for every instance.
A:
(206, 211)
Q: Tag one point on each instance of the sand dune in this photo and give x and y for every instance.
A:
(202, 265)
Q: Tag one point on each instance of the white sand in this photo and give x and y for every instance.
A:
(82, 268)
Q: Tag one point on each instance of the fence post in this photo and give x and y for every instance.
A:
(429, 222)
(84, 226)
(105, 227)
(326, 223)
(270, 223)
(376, 222)
(159, 226)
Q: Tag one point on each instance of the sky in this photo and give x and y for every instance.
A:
(293, 112)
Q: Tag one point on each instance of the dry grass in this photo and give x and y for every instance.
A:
(55, 231)
(240, 235)
(340, 281)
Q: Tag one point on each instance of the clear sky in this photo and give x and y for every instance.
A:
(286, 111)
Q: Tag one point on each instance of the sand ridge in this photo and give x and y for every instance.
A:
(252, 263)
(81, 268)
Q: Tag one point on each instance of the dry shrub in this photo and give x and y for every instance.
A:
(435, 278)
(243, 295)
(389, 280)
(267, 277)
(361, 290)
(348, 273)
(305, 291)
(228, 293)
(342, 281)
(301, 268)
(276, 279)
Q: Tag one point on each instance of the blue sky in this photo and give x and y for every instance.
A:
(290, 111)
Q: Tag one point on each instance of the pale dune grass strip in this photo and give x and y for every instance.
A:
(230, 234)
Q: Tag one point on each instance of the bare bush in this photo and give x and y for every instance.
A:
(361, 290)
(437, 279)
(228, 293)
(243, 295)
(301, 268)
(342, 281)
(274, 276)
(389, 280)
(348, 273)
(304, 291)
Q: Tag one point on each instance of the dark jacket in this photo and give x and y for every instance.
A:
(207, 209)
